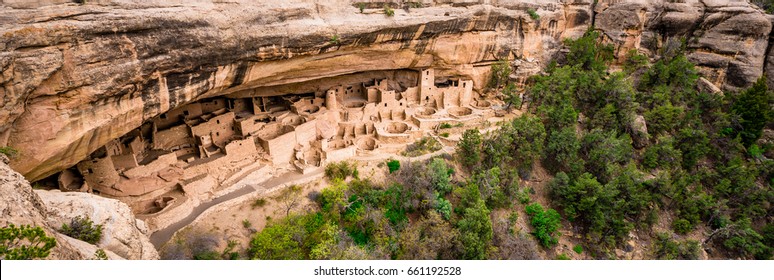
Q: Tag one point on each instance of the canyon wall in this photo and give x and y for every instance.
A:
(73, 77)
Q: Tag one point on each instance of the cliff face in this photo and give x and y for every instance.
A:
(77, 76)
(20, 205)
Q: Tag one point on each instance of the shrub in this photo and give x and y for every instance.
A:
(388, 11)
(83, 228)
(258, 203)
(445, 126)
(423, 146)
(444, 207)
(533, 14)
(9, 151)
(545, 223)
(578, 249)
(339, 170)
(335, 40)
(682, 226)
(361, 7)
(246, 223)
(393, 165)
(100, 255)
(445, 135)
(24, 243)
(665, 248)
(563, 257)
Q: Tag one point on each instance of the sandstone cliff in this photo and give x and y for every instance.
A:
(20, 205)
(77, 76)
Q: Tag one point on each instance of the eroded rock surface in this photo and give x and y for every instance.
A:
(121, 233)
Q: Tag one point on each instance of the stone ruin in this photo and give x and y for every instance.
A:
(200, 148)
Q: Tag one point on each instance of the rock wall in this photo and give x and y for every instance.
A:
(73, 77)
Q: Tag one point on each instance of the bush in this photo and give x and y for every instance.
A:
(533, 14)
(578, 249)
(9, 151)
(754, 107)
(665, 248)
(563, 257)
(682, 226)
(545, 223)
(393, 165)
(425, 145)
(246, 223)
(388, 11)
(83, 228)
(445, 126)
(444, 207)
(24, 243)
(258, 203)
(339, 170)
(361, 7)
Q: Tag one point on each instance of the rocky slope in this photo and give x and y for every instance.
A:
(76, 76)
(20, 205)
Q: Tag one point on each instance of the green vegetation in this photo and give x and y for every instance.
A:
(361, 6)
(425, 145)
(258, 203)
(83, 228)
(388, 11)
(767, 5)
(9, 151)
(339, 170)
(100, 255)
(578, 249)
(533, 14)
(24, 243)
(754, 109)
(246, 223)
(563, 257)
(195, 244)
(335, 40)
(699, 161)
(545, 223)
(393, 165)
(665, 248)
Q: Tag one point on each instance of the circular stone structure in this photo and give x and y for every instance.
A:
(483, 103)
(459, 111)
(397, 127)
(354, 104)
(366, 144)
(293, 120)
(425, 112)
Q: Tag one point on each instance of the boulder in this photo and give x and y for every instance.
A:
(121, 232)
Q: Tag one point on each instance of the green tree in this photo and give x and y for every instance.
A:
(439, 176)
(754, 109)
(475, 229)
(529, 134)
(501, 72)
(24, 243)
(469, 148)
(562, 151)
(545, 224)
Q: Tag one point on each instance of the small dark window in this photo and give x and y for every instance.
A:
(185, 113)
(385, 104)
(217, 121)
(217, 133)
(89, 171)
(163, 116)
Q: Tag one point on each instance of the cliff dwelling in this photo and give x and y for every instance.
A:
(201, 148)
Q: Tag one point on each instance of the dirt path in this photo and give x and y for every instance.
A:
(160, 237)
